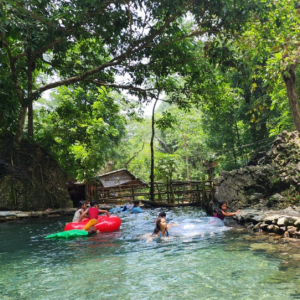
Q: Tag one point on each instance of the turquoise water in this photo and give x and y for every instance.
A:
(122, 265)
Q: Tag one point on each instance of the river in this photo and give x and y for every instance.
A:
(229, 264)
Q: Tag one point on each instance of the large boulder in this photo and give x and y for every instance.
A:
(272, 183)
(30, 178)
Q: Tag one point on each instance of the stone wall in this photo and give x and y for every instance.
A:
(30, 178)
(282, 222)
(273, 183)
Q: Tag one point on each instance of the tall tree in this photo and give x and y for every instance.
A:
(91, 42)
(273, 43)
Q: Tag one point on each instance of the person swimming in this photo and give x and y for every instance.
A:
(221, 213)
(162, 228)
(161, 215)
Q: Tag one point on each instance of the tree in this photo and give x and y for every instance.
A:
(91, 42)
(81, 129)
(273, 42)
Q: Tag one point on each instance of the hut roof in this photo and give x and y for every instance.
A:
(119, 177)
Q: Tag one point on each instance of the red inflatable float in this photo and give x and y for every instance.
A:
(105, 224)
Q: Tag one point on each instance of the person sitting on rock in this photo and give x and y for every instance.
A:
(221, 213)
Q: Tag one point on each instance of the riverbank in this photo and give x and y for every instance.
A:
(48, 213)
(285, 222)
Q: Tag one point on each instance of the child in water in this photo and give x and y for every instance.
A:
(81, 209)
(162, 228)
(221, 213)
(161, 215)
(92, 214)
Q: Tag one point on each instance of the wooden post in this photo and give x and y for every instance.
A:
(198, 195)
(168, 190)
(96, 189)
(159, 194)
(204, 195)
(172, 193)
(132, 190)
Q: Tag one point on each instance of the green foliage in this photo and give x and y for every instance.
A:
(219, 65)
(81, 129)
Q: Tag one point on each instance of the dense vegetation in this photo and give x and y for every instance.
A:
(225, 74)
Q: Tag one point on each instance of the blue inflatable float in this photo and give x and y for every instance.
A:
(134, 210)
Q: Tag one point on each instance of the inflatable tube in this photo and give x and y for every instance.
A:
(201, 226)
(105, 224)
(67, 234)
(136, 210)
(115, 210)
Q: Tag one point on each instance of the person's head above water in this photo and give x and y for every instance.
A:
(93, 203)
(223, 205)
(136, 203)
(161, 225)
(162, 214)
(81, 204)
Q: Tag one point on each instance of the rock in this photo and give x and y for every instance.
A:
(255, 196)
(297, 222)
(283, 228)
(263, 226)
(263, 246)
(290, 220)
(6, 213)
(256, 227)
(281, 221)
(21, 215)
(292, 229)
(271, 219)
(293, 240)
(30, 179)
(250, 226)
(10, 218)
(274, 183)
(274, 228)
(54, 216)
(275, 199)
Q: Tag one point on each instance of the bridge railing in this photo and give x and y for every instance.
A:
(173, 193)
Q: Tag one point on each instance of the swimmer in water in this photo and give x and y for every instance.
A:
(161, 215)
(221, 213)
(161, 229)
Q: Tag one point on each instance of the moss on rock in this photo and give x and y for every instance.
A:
(30, 178)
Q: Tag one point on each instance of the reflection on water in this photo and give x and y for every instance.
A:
(215, 264)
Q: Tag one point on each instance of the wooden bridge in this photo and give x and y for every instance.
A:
(170, 194)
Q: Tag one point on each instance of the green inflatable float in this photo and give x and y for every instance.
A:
(67, 234)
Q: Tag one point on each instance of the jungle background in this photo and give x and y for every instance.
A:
(75, 79)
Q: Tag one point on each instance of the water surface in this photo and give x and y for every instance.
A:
(122, 265)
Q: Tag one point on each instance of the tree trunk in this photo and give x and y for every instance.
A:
(5, 129)
(21, 122)
(186, 158)
(30, 120)
(152, 153)
(30, 70)
(290, 82)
